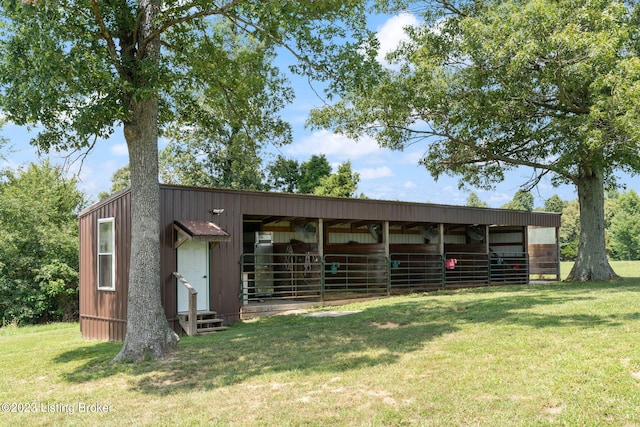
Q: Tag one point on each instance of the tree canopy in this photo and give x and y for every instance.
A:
(343, 183)
(474, 201)
(284, 175)
(554, 204)
(312, 172)
(625, 227)
(290, 176)
(76, 70)
(38, 244)
(522, 201)
(490, 86)
(243, 171)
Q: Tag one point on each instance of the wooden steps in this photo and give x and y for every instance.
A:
(206, 322)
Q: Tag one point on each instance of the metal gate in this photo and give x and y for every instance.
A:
(411, 272)
(307, 276)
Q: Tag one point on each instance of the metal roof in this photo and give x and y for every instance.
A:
(202, 231)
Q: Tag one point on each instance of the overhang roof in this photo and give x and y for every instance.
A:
(198, 230)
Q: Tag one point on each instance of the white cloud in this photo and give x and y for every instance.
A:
(337, 146)
(372, 173)
(381, 192)
(88, 179)
(119, 150)
(392, 33)
(499, 199)
(335, 166)
(410, 185)
(413, 157)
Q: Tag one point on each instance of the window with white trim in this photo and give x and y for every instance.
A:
(106, 254)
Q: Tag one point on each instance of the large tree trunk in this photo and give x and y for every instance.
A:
(591, 261)
(148, 332)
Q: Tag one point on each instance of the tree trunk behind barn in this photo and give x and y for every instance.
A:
(591, 261)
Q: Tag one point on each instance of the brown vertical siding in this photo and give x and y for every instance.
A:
(544, 259)
(103, 313)
(178, 203)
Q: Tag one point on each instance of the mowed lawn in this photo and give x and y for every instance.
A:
(543, 354)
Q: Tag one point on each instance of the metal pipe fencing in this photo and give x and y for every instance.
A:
(307, 276)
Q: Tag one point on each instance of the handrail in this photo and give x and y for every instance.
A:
(185, 282)
(190, 326)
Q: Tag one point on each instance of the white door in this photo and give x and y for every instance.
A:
(193, 264)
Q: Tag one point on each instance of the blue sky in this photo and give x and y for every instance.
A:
(384, 174)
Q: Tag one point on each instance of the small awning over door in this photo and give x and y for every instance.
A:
(198, 230)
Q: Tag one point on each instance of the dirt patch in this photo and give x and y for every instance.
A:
(388, 325)
(335, 313)
(552, 408)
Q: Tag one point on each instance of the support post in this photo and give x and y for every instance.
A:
(385, 240)
(321, 256)
(525, 249)
(442, 254)
(190, 327)
(486, 237)
(320, 237)
(193, 312)
(558, 276)
(385, 237)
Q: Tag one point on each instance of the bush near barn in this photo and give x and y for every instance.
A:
(38, 245)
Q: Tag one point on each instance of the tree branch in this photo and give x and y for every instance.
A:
(486, 154)
(81, 155)
(492, 156)
(187, 18)
(277, 41)
(450, 6)
(562, 94)
(106, 35)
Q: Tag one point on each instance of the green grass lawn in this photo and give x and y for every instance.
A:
(544, 354)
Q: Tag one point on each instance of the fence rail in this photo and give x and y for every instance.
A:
(307, 276)
(347, 275)
(411, 272)
(509, 267)
(465, 269)
(281, 276)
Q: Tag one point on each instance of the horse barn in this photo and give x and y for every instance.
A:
(228, 255)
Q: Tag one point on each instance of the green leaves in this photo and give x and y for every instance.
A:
(52, 75)
(343, 183)
(625, 227)
(73, 68)
(490, 85)
(38, 245)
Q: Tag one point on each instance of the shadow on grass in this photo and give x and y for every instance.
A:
(270, 345)
(378, 335)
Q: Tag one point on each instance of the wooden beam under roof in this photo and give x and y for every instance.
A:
(358, 224)
(271, 219)
(410, 225)
(278, 219)
(334, 222)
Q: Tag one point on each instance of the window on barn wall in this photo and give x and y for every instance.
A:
(106, 254)
(542, 236)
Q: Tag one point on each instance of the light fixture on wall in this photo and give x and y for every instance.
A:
(216, 211)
